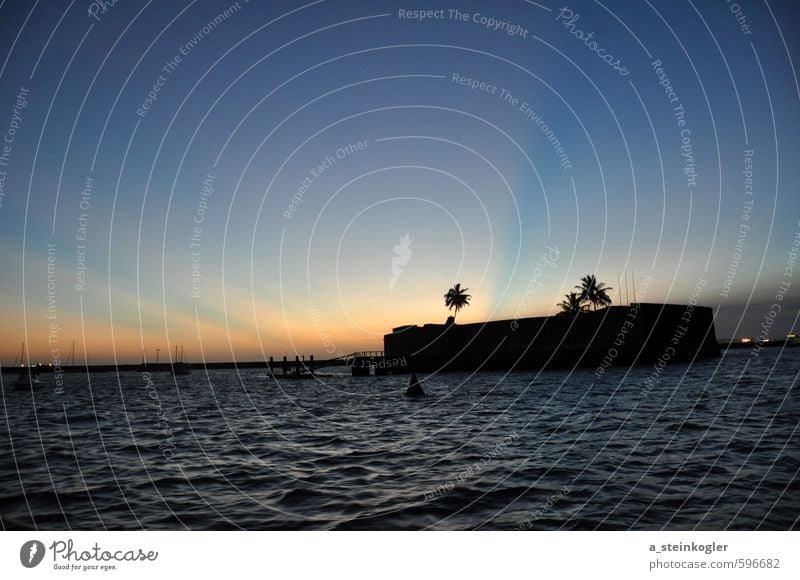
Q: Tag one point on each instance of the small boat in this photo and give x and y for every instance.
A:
(414, 387)
(179, 367)
(28, 376)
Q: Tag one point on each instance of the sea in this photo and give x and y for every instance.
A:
(712, 445)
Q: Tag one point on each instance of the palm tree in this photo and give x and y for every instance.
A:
(456, 298)
(594, 292)
(573, 304)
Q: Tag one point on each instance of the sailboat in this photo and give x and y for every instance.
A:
(179, 367)
(28, 376)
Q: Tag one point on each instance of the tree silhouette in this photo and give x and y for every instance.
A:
(456, 298)
(594, 292)
(573, 304)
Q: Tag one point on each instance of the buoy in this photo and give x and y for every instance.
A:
(414, 387)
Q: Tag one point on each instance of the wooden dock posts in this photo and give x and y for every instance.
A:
(361, 364)
(299, 366)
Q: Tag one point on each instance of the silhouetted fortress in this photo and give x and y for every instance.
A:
(618, 335)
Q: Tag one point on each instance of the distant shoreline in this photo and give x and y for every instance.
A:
(160, 367)
(735, 344)
(233, 365)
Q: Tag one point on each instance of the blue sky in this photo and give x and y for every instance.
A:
(264, 93)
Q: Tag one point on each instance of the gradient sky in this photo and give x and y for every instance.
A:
(263, 96)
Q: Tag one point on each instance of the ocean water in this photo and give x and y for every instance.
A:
(713, 445)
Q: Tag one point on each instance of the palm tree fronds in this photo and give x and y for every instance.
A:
(594, 292)
(457, 298)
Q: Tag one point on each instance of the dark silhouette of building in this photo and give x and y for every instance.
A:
(618, 335)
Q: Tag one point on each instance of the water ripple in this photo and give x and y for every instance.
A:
(708, 448)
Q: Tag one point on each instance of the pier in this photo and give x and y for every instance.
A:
(364, 363)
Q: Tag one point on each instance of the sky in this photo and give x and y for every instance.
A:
(254, 179)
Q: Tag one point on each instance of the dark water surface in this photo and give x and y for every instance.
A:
(714, 445)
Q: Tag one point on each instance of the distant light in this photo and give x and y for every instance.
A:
(746, 339)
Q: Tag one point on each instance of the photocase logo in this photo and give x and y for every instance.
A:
(31, 553)
(402, 255)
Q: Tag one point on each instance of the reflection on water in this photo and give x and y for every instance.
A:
(711, 446)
